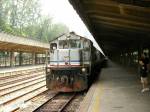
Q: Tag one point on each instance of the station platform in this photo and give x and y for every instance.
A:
(117, 90)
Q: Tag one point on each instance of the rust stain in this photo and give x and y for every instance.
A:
(77, 85)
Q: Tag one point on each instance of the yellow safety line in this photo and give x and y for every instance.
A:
(95, 105)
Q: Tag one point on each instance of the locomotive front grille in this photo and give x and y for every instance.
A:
(66, 72)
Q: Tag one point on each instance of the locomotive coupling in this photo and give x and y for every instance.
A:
(64, 79)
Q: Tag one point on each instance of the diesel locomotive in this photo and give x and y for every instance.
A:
(70, 62)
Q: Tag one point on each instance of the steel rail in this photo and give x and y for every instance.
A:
(37, 109)
(65, 105)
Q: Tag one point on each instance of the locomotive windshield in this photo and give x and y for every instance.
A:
(66, 44)
(75, 43)
(63, 44)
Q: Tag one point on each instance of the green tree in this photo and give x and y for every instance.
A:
(57, 29)
(24, 18)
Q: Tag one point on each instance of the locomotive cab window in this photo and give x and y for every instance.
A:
(53, 46)
(63, 44)
(86, 44)
(75, 43)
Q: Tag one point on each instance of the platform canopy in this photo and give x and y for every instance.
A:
(117, 25)
(17, 44)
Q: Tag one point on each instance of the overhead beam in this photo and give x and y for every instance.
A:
(117, 8)
(102, 28)
(120, 23)
(114, 37)
(94, 11)
(141, 3)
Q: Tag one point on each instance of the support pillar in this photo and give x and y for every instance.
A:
(12, 59)
(36, 59)
(46, 57)
(20, 58)
(33, 58)
(120, 59)
(129, 58)
(123, 58)
(148, 52)
(140, 50)
(5, 60)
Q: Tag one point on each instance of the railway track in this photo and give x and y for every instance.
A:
(38, 101)
(18, 74)
(19, 90)
(35, 102)
(11, 73)
(57, 103)
(18, 77)
(15, 91)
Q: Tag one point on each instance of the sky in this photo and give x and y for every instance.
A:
(62, 12)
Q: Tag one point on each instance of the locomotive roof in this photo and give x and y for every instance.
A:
(70, 33)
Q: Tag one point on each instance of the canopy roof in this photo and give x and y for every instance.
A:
(16, 44)
(117, 25)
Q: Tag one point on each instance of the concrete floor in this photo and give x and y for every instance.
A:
(118, 90)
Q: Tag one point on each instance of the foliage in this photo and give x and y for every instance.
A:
(24, 18)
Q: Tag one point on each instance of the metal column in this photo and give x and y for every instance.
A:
(12, 59)
(20, 58)
(33, 58)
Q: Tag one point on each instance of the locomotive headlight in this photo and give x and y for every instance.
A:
(83, 69)
(48, 69)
